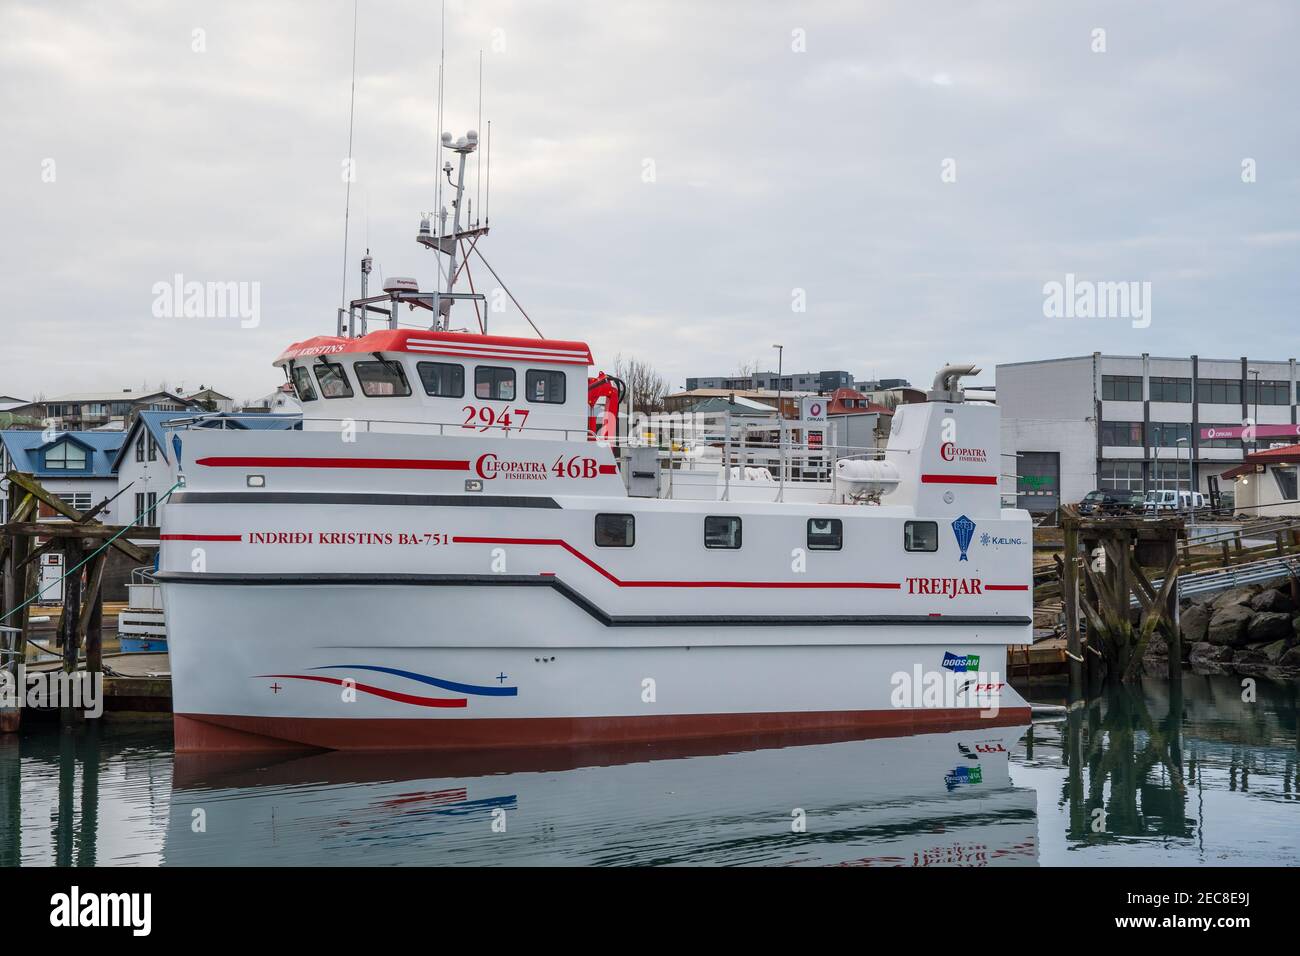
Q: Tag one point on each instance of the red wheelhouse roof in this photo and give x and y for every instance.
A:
(456, 344)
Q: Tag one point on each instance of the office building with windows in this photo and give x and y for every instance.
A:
(1133, 422)
(817, 383)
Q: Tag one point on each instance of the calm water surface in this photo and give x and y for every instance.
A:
(1140, 777)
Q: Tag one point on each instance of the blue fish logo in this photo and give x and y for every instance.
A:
(964, 529)
(176, 447)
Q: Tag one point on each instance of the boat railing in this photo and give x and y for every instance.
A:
(384, 425)
(142, 575)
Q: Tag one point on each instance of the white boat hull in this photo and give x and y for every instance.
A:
(454, 666)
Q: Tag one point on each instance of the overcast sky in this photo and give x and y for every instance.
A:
(775, 168)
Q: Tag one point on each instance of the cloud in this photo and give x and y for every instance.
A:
(773, 170)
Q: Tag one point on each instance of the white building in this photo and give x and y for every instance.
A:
(1131, 422)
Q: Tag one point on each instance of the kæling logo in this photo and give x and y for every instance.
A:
(987, 539)
(961, 663)
(964, 529)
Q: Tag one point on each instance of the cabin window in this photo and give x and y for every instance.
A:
(825, 534)
(442, 379)
(139, 447)
(302, 385)
(544, 386)
(382, 379)
(722, 532)
(153, 449)
(333, 380)
(615, 531)
(920, 536)
(494, 382)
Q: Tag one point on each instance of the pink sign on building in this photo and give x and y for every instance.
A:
(1261, 431)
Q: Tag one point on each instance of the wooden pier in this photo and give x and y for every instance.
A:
(85, 543)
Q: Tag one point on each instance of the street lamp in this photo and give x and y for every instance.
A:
(1191, 490)
(780, 421)
(1255, 430)
(1156, 446)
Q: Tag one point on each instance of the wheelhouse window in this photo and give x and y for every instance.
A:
(825, 534)
(722, 532)
(139, 447)
(615, 531)
(493, 382)
(382, 379)
(544, 386)
(65, 456)
(920, 536)
(333, 380)
(442, 379)
(302, 385)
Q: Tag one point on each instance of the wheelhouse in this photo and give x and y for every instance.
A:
(445, 382)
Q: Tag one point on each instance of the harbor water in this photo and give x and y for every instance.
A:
(1145, 775)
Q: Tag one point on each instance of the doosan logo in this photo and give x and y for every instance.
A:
(950, 451)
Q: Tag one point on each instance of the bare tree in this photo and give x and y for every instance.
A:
(646, 388)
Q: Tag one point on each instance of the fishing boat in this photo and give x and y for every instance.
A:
(141, 626)
(463, 548)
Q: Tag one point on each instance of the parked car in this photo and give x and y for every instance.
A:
(1179, 501)
(1111, 503)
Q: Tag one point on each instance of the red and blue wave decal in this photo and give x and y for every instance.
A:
(472, 690)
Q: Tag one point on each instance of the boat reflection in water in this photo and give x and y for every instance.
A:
(930, 800)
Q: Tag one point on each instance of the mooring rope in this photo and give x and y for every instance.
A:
(94, 553)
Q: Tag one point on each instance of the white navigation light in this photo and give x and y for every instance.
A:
(446, 139)
(472, 136)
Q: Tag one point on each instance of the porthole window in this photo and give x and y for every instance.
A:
(920, 536)
(722, 532)
(615, 531)
(825, 534)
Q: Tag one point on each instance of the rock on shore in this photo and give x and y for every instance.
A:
(1251, 630)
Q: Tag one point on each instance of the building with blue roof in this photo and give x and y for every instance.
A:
(76, 466)
(143, 464)
(86, 467)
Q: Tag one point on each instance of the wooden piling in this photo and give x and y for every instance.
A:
(1124, 547)
(1070, 600)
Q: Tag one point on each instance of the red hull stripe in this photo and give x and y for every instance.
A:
(558, 543)
(219, 732)
(959, 479)
(1006, 587)
(201, 537)
(378, 691)
(415, 464)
